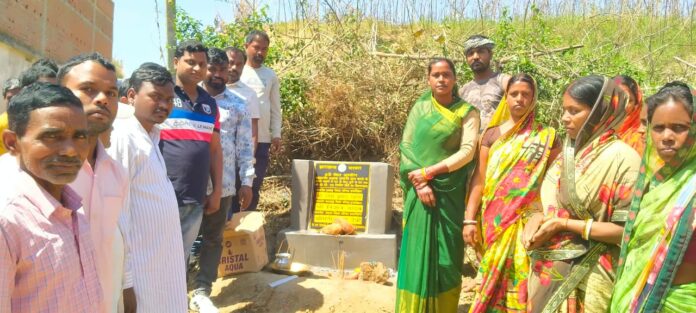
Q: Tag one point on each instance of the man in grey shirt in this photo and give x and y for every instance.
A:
(488, 87)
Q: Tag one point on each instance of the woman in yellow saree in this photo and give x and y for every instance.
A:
(514, 152)
(658, 259)
(438, 145)
(585, 198)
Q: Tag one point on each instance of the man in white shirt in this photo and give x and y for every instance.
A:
(237, 59)
(265, 82)
(101, 183)
(158, 265)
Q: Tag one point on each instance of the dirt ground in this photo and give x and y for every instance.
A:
(250, 293)
(318, 293)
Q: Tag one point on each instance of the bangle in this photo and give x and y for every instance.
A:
(565, 225)
(588, 228)
(469, 222)
(425, 174)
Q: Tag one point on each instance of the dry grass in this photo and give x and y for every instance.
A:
(355, 104)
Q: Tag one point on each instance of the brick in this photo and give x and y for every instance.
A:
(103, 45)
(22, 21)
(71, 26)
(106, 7)
(83, 7)
(104, 24)
(67, 33)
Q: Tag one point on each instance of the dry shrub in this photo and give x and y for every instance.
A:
(274, 203)
(358, 106)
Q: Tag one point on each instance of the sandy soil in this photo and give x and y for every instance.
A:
(250, 293)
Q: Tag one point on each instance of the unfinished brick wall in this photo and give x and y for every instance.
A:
(58, 29)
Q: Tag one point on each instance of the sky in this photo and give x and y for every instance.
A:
(136, 36)
(138, 39)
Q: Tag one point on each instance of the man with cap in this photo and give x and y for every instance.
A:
(487, 88)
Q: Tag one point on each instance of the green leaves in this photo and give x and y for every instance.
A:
(225, 34)
(293, 93)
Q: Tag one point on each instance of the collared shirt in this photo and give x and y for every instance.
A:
(125, 110)
(103, 191)
(265, 82)
(9, 167)
(46, 253)
(236, 141)
(249, 95)
(159, 278)
(185, 144)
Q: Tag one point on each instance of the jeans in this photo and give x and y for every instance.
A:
(190, 216)
(211, 247)
(262, 160)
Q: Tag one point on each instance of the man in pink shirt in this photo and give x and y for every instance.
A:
(46, 252)
(102, 183)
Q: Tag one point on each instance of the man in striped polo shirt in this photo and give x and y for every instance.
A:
(190, 142)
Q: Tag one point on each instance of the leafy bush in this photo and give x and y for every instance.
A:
(223, 34)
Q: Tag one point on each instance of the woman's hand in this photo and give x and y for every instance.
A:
(417, 179)
(530, 228)
(471, 235)
(549, 227)
(426, 195)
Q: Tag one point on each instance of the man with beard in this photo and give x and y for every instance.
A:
(47, 257)
(488, 87)
(265, 82)
(190, 142)
(237, 148)
(102, 183)
(238, 59)
(155, 237)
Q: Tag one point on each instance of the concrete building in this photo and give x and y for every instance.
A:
(57, 29)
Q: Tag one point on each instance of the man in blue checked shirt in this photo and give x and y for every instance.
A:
(238, 152)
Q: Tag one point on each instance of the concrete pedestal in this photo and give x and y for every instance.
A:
(317, 249)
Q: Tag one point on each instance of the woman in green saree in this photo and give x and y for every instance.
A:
(514, 152)
(658, 259)
(585, 199)
(438, 145)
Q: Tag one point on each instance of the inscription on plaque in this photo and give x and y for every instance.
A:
(340, 191)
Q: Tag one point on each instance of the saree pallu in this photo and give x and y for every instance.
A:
(659, 237)
(680, 299)
(628, 132)
(658, 233)
(593, 178)
(432, 247)
(604, 176)
(516, 164)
